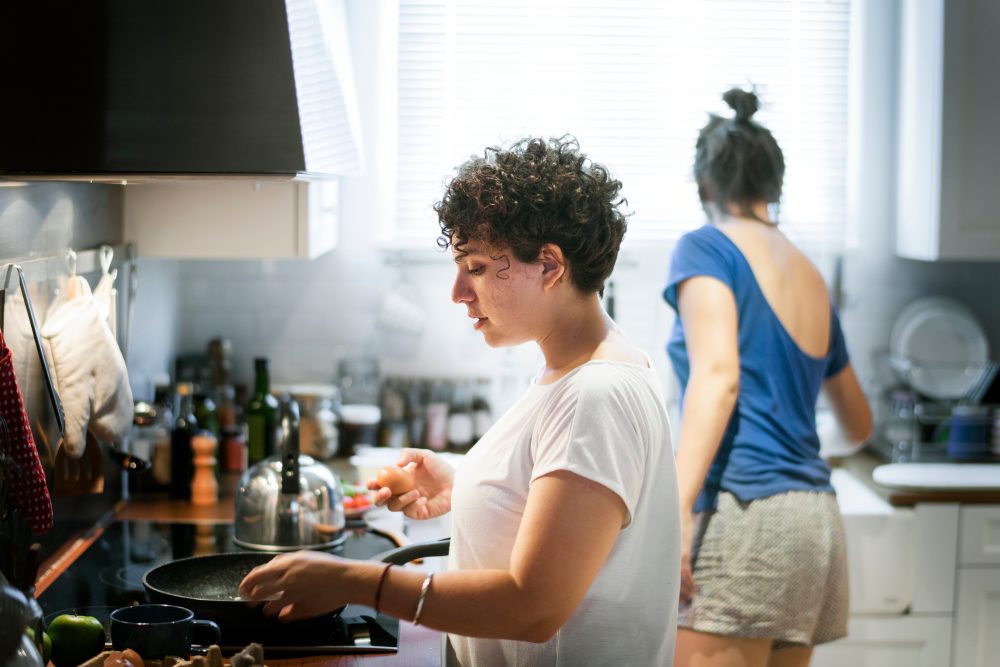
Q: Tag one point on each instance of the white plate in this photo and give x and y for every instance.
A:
(945, 344)
(939, 476)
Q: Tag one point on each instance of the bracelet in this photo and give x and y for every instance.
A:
(424, 587)
(381, 580)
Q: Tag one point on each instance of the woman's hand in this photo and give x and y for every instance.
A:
(304, 584)
(432, 495)
(688, 585)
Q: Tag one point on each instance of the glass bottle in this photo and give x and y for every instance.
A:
(219, 352)
(436, 428)
(205, 412)
(416, 414)
(142, 444)
(233, 450)
(181, 461)
(261, 412)
(393, 403)
(164, 403)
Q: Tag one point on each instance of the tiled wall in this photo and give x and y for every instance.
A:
(306, 316)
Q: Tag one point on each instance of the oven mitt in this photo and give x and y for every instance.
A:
(88, 370)
(106, 298)
(23, 474)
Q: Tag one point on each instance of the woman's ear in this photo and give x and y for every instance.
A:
(553, 263)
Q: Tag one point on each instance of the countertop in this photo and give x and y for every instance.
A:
(863, 464)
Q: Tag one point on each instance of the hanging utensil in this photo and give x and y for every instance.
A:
(3, 294)
(50, 386)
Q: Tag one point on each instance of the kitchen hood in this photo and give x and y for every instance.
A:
(118, 90)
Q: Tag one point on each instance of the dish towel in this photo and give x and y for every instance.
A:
(23, 476)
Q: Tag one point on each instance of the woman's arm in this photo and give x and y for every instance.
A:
(569, 527)
(849, 405)
(708, 309)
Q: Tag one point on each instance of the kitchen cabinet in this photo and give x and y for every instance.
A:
(232, 219)
(886, 641)
(947, 201)
(977, 613)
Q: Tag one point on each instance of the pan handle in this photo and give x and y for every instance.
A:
(403, 555)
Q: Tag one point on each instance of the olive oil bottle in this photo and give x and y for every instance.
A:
(261, 415)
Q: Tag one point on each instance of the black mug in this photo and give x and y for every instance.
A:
(155, 631)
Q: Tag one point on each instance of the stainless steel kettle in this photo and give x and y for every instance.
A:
(289, 501)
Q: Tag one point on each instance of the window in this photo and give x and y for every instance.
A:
(633, 81)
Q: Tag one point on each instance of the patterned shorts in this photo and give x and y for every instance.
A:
(773, 568)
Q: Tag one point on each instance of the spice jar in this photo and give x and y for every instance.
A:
(318, 424)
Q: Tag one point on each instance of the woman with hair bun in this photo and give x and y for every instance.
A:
(756, 338)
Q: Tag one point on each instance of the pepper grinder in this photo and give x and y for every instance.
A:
(204, 487)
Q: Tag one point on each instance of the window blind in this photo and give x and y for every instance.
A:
(633, 80)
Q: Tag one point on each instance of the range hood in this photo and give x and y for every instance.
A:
(117, 90)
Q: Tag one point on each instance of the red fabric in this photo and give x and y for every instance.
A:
(23, 477)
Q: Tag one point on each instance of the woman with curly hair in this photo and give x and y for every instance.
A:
(564, 547)
(763, 568)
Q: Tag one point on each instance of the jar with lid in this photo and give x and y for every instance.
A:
(318, 422)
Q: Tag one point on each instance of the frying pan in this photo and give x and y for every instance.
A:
(209, 586)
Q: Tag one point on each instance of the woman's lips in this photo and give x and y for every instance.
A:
(478, 324)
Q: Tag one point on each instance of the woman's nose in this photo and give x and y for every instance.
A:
(460, 292)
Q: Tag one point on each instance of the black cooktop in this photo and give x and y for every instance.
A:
(109, 575)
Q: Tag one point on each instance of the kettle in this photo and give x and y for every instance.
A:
(289, 501)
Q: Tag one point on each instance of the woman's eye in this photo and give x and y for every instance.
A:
(475, 270)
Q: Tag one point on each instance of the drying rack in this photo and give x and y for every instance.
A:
(911, 423)
(916, 374)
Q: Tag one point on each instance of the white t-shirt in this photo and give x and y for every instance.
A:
(604, 421)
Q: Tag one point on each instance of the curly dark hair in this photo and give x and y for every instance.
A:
(535, 192)
(737, 160)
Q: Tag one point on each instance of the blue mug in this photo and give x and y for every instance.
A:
(155, 631)
(969, 432)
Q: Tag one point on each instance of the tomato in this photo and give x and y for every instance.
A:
(349, 503)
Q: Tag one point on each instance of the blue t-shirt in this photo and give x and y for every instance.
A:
(770, 444)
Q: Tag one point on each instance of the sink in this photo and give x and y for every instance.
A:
(880, 551)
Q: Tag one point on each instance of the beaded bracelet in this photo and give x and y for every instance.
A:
(381, 580)
(424, 587)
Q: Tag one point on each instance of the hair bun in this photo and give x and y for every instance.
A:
(743, 102)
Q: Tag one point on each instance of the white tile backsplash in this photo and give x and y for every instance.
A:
(306, 316)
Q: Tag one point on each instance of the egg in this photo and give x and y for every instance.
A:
(126, 658)
(398, 480)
